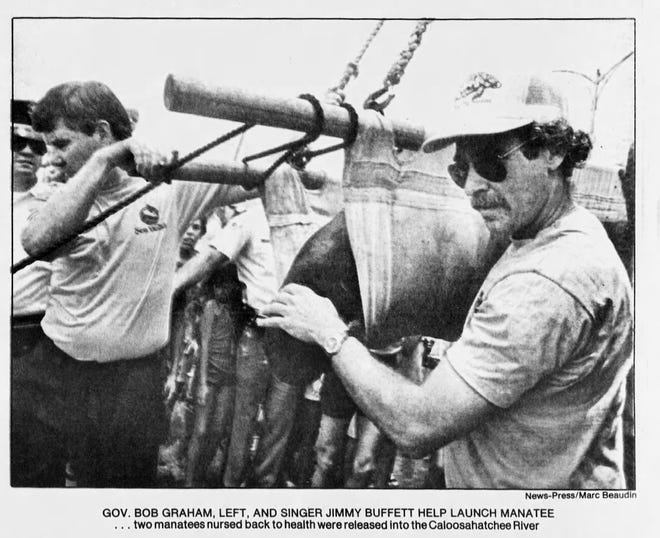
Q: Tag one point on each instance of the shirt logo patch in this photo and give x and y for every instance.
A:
(149, 215)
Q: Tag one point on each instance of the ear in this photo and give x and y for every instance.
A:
(554, 160)
(103, 132)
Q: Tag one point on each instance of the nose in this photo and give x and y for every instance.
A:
(474, 182)
(27, 150)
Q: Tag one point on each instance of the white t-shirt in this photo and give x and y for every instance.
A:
(30, 285)
(245, 240)
(549, 342)
(111, 292)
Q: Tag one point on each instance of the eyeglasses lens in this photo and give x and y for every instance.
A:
(484, 157)
(18, 143)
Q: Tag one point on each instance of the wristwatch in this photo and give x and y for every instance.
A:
(333, 343)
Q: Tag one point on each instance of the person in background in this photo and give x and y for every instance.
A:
(215, 385)
(180, 359)
(36, 441)
(299, 456)
(184, 316)
(244, 239)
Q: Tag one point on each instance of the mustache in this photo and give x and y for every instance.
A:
(487, 200)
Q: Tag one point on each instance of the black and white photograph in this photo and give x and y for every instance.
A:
(289, 273)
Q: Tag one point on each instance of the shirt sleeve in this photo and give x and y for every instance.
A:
(194, 199)
(524, 329)
(229, 239)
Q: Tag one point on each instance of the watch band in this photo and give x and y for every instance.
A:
(334, 343)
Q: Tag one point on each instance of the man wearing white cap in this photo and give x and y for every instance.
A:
(531, 395)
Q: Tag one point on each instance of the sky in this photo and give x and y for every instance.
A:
(290, 57)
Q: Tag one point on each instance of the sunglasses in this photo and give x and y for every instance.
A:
(485, 157)
(18, 143)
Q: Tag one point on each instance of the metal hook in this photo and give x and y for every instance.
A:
(371, 103)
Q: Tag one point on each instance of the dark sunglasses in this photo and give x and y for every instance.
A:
(18, 143)
(486, 159)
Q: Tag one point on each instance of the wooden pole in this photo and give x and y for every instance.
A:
(191, 96)
(237, 173)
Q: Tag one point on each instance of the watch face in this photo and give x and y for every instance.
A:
(331, 345)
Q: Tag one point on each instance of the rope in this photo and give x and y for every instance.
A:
(397, 70)
(291, 147)
(352, 70)
(88, 225)
(300, 158)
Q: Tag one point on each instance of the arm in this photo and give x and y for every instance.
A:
(68, 208)
(197, 268)
(219, 248)
(418, 418)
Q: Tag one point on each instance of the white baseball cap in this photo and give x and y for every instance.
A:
(488, 104)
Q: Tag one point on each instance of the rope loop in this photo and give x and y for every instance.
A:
(290, 148)
(301, 158)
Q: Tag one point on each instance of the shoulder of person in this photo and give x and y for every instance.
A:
(248, 206)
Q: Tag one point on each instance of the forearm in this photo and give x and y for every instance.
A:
(197, 268)
(418, 418)
(68, 208)
(392, 402)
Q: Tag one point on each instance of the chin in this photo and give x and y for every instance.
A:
(497, 223)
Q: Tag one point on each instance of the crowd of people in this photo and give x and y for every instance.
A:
(139, 353)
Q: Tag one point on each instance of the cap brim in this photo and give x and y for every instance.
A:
(26, 131)
(478, 126)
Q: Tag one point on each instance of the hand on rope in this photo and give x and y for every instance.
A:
(125, 159)
(397, 70)
(135, 157)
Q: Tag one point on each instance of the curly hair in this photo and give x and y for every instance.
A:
(558, 137)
